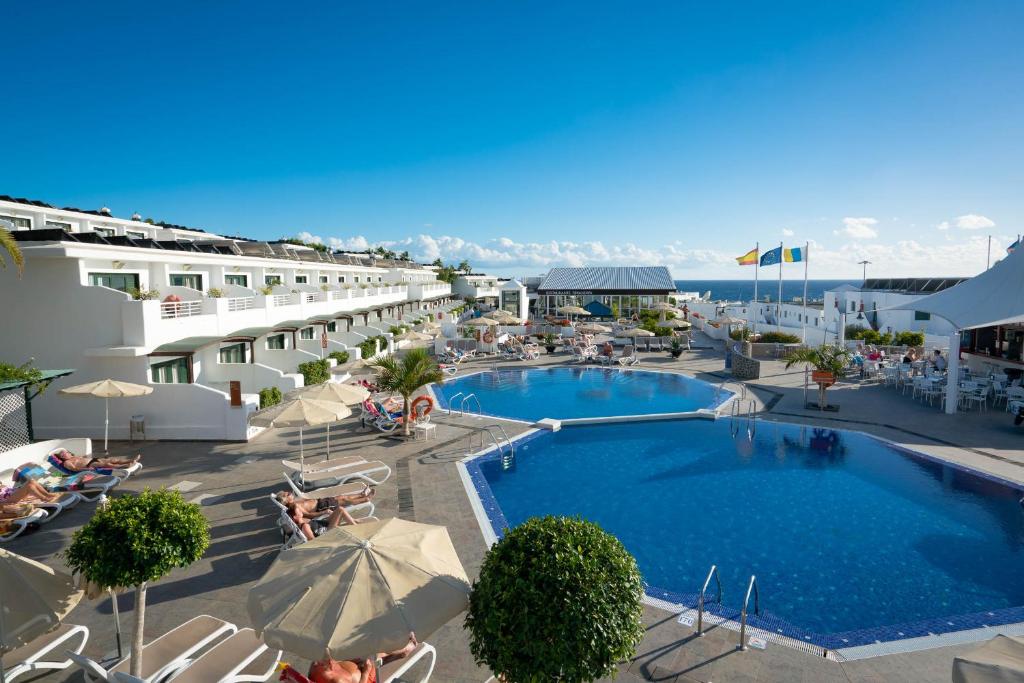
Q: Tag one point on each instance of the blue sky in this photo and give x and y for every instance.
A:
(529, 134)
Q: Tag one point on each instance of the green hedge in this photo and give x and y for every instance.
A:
(340, 356)
(778, 338)
(315, 371)
(869, 336)
(369, 347)
(269, 396)
(397, 330)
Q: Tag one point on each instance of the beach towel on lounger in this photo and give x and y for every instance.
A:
(52, 480)
(59, 455)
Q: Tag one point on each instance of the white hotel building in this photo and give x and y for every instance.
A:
(274, 306)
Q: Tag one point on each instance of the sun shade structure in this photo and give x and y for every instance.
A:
(634, 332)
(107, 389)
(33, 599)
(573, 310)
(300, 412)
(482, 322)
(997, 661)
(358, 590)
(676, 324)
(593, 328)
(333, 392)
(413, 335)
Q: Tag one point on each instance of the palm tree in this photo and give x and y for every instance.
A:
(465, 267)
(10, 245)
(827, 358)
(405, 376)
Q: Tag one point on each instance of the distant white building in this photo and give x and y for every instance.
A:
(483, 288)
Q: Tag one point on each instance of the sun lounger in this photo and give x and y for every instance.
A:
(12, 528)
(292, 535)
(389, 673)
(322, 465)
(38, 655)
(628, 356)
(165, 655)
(373, 472)
(242, 657)
(329, 492)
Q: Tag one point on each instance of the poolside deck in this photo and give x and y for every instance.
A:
(232, 482)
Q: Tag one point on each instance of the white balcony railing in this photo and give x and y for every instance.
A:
(282, 299)
(241, 303)
(308, 298)
(180, 309)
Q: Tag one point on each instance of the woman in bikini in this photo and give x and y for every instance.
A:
(357, 671)
(29, 492)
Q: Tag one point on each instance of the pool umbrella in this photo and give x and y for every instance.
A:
(676, 324)
(359, 589)
(33, 599)
(593, 328)
(107, 389)
(482, 322)
(414, 336)
(93, 591)
(333, 392)
(300, 412)
(634, 332)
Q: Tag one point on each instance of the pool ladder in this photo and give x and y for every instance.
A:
(752, 589)
(508, 456)
(720, 389)
(462, 404)
(737, 414)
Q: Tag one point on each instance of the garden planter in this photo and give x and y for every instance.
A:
(676, 353)
(550, 349)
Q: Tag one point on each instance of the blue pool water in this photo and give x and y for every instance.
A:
(536, 393)
(844, 532)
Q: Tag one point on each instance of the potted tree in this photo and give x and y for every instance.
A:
(135, 540)
(414, 371)
(549, 342)
(828, 361)
(676, 348)
(558, 599)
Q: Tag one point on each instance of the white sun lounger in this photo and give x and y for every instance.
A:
(329, 492)
(165, 655)
(373, 472)
(36, 655)
(242, 657)
(19, 524)
(321, 466)
(66, 500)
(390, 672)
(293, 536)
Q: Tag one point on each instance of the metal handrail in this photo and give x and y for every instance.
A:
(451, 402)
(700, 599)
(743, 615)
(462, 405)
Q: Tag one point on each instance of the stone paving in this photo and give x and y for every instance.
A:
(232, 483)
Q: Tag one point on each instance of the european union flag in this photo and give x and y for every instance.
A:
(770, 258)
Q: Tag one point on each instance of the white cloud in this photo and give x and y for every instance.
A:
(859, 228)
(944, 225)
(786, 232)
(973, 221)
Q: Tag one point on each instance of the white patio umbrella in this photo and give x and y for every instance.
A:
(359, 589)
(634, 332)
(300, 412)
(107, 389)
(33, 599)
(593, 328)
(413, 335)
(676, 324)
(335, 392)
(482, 322)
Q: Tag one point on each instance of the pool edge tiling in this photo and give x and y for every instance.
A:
(853, 644)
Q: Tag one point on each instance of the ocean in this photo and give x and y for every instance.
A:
(743, 290)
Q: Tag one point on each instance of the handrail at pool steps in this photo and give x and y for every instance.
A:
(451, 402)
(703, 592)
(751, 422)
(462, 405)
(743, 615)
(507, 458)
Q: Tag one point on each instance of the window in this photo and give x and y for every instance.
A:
(236, 279)
(324, 279)
(922, 315)
(301, 279)
(106, 232)
(380, 278)
(59, 225)
(123, 281)
(853, 307)
(271, 280)
(190, 280)
(232, 354)
(332, 326)
(306, 333)
(170, 372)
(18, 221)
(341, 279)
(135, 234)
(275, 341)
(355, 279)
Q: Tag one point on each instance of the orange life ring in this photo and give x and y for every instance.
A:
(418, 401)
(488, 337)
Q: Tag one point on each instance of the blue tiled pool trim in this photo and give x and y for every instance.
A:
(766, 621)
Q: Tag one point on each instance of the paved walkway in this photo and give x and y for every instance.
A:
(232, 483)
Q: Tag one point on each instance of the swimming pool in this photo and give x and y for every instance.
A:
(566, 393)
(852, 539)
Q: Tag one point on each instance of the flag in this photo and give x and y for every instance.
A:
(748, 259)
(1009, 249)
(793, 255)
(771, 257)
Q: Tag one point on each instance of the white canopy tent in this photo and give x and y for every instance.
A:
(995, 297)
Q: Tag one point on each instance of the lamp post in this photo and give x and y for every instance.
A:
(865, 264)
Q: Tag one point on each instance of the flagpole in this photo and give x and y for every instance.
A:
(803, 333)
(757, 265)
(778, 307)
(988, 258)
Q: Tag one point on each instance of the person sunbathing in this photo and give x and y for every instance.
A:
(80, 463)
(354, 671)
(307, 513)
(29, 492)
(16, 511)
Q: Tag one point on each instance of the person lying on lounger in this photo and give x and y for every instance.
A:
(28, 492)
(307, 512)
(353, 671)
(80, 463)
(16, 511)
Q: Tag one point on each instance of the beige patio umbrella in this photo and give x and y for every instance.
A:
(360, 589)
(107, 389)
(335, 392)
(634, 332)
(664, 307)
(33, 599)
(482, 322)
(413, 335)
(676, 324)
(300, 412)
(593, 328)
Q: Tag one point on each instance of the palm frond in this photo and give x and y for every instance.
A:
(10, 245)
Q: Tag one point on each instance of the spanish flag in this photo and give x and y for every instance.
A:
(748, 259)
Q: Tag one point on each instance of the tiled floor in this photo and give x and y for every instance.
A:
(232, 482)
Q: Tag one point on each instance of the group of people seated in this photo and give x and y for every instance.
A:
(870, 352)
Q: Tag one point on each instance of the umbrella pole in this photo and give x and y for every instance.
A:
(106, 422)
(328, 441)
(302, 456)
(3, 676)
(117, 625)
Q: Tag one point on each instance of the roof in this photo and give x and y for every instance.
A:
(186, 345)
(609, 279)
(911, 285)
(249, 332)
(47, 376)
(995, 297)
(292, 325)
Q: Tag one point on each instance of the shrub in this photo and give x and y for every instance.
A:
(22, 373)
(325, 287)
(340, 356)
(214, 293)
(740, 333)
(369, 347)
(267, 290)
(779, 338)
(269, 396)
(315, 371)
(558, 599)
(144, 294)
(134, 540)
(908, 338)
(397, 330)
